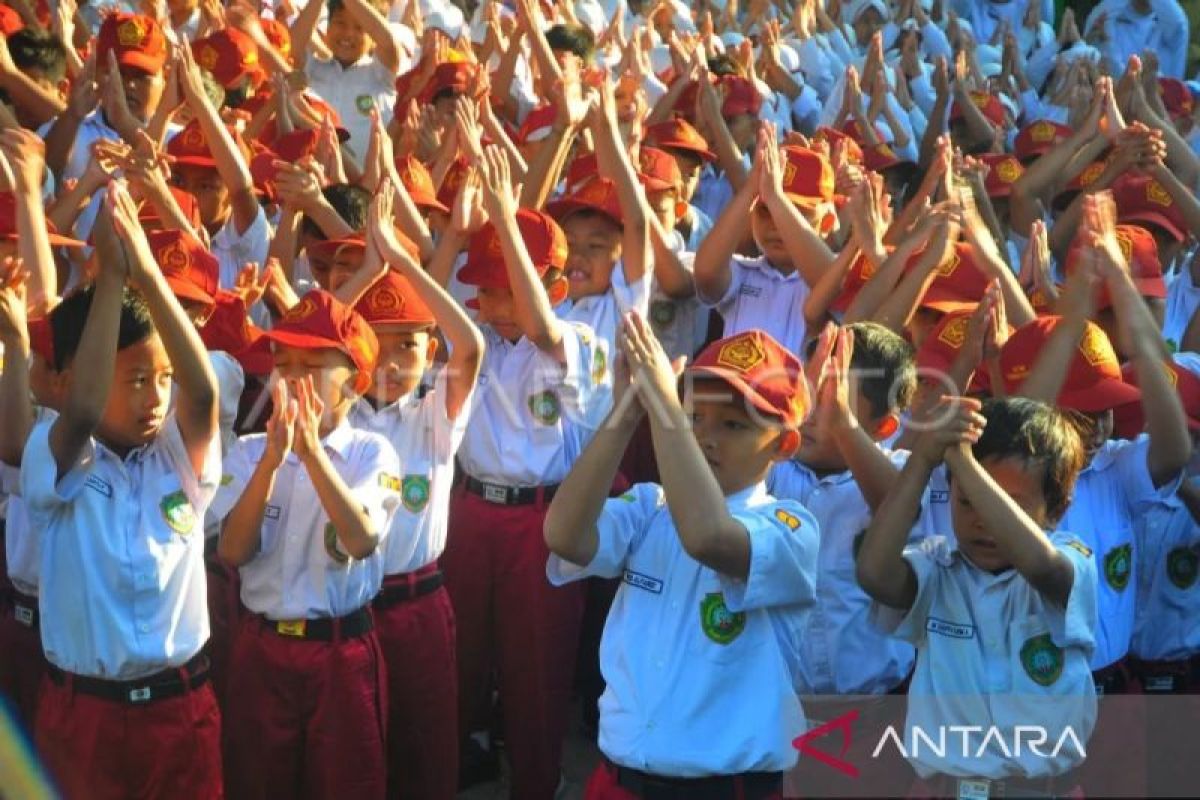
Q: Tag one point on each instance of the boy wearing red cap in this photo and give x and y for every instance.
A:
(307, 505)
(526, 428)
(684, 143)
(425, 423)
(116, 486)
(718, 575)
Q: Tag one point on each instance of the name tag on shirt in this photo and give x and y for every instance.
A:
(750, 291)
(939, 497)
(652, 585)
(954, 630)
(271, 512)
(96, 483)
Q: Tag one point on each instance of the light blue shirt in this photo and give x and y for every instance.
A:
(760, 296)
(700, 667)
(1168, 602)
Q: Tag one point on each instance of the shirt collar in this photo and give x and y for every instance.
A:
(749, 497)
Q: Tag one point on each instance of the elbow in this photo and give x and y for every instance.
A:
(867, 575)
(229, 553)
(363, 546)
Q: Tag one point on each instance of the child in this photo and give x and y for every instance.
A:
(307, 506)
(1003, 620)
(117, 487)
(699, 647)
(521, 438)
(680, 140)
(425, 423)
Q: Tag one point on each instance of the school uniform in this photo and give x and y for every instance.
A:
(353, 91)
(413, 615)
(760, 296)
(992, 652)
(524, 432)
(22, 664)
(126, 709)
(701, 667)
(306, 694)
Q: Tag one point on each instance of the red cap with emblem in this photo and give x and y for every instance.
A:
(856, 278)
(959, 283)
(1140, 198)
(1130, 418)
(537, 124)
(229, 55)
(881, 157)
(278, 35)
(320, 321)
(1141, 253)
(598, 194)
(452, 182)
(544, 241)
(762, 371)
(186, 201)
(1038, 138)
(1176, 97)
(1093, 381)
(230, 330)
(189, 147)
(854, 150)
(740, 96)
(452, 76)
(659, 170)
(392, 300)
(8, 224)
(678, 134)
(1003, 172)
(942, 346)
(1084, 179)
(807, 177)
(191, 271)
(10, 21)
(987, 103)
(137, 40)
(419, 183)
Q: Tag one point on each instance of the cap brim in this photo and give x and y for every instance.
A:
(1151, 287)
(483, 276)
(186, 290)
(1105, 394)
(428, 201)
(561, 209)
(194, 161)
(257, 358)
(139, 60)
(735, 380)
(332, 247)
(949, 305)
(706, 155)
(303, 340)
(1154, 219)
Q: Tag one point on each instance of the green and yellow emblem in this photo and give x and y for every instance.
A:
(662, 313)
(1118, 565)
(719, 623)
(331, 545)
(414, 493)
(599, 364)
(178, 513)
(1182, 563)
(1042, 659)
(544, 407)
(364, 103)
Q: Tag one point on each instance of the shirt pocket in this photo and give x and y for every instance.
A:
(268, 535)
(1036, 662)
(175, 519)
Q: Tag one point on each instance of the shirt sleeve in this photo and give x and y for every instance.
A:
(1075, 625)
(1133, 476)
(737, 276)
(632, 295)
(928, 560)
(239, 463)
(783, 559)
(621, 527)
(39, 487)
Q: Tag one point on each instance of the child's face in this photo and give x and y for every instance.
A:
(818, 450)
(143, 91)
(140, 394)
(332, 270)
(690, 167)
(347, 40)
(744, 129)
(663, 204)
(1023, 484)
(405, 352)
(766, 236)
(496, 309)
(212, 196)
(593, 250)
(739, 446)
(333, 376)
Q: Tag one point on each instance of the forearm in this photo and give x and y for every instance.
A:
(406, 214)
(37, 101)
(712, 271)
(810, 255)
(827, 289)
(531, 306)
(60, 140)
(91, 375)
(873, 471)
(612, 159)
(544, 169)
(303, 29)
(351, 523)
(15, 407)
(896, 311)
(376, 27)
(1049, 371)
(880, 566)
(673, 279)
(441, 266)
(284, 242)
(325, 217)
(33, 247)
(242, 529)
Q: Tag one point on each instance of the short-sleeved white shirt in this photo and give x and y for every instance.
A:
(353, 91)
(760, 296)
(1167, 627)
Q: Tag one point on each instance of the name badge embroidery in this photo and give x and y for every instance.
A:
(938, 496)
(100, 485)
(652, 585)
(750, 291)
(954, 630)
(271, 512)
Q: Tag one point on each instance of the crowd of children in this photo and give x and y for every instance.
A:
(384, 379)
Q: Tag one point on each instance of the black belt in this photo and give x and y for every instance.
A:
(323, 629)
(1113, 679)
(1167, 677)
(24, 609)
(409, 586)
(159, 686)
(746, 786)
(509, 495)
(1049, 787)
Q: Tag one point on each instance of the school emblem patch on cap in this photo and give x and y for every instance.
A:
(302, 310)
(384, 300)
(544, 407)
(719, 623)
(178, 513)
(131, 32)
(1008, 170)
(173, 257)
(955, 332)
(1042, 659)
(1089, 175)
(1155, 193)
(1095, 347)
(414, 493)
(1042, 132)
(193, 138)
(331, 545)
(1182, 565)
(742, 353)
(1118, 565)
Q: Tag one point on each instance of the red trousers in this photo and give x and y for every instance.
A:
(602, 785)
(511, 618)
(97, 749)
(224, 610)
(22, 663)
(304, 718)
(417, 637)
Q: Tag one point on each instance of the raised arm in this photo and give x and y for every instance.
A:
(303, 29)
(613, 160)
(16, 409)
(375, 25)
(711, 267)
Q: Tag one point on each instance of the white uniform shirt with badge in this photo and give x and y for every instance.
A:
(1183, 299)
(301, 570)
(993, 653)
(1111, 492)
(701, 668)
(528, 422)
(1168, 602)
(841, 651)
(425, 439)
(22, 549)
(353, 91)
(760, 296)
(234, 250)
(680, 324)
(123, 586)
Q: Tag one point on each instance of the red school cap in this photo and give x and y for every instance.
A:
(229, 329)
(137, 40)
(762, 371)
(1038, 138)
(319, 321)
(229, 55)
(1141, 254)
(190, 269)
(544, 240)
(678, 134)
(8, 223)
(392, 300)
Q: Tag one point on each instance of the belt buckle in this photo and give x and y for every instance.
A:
(973, 789)
(23, 615)
(495, 494)
(141, 694)
(291, 627)
(1160, 683)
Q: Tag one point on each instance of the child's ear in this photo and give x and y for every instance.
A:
(431, 348)
(886, 427)
(789, 443)
(557, 290)
(63, 89)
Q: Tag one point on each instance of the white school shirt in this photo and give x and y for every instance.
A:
(22, 548)
(528, 422)
(700, 667)
(992, 652)
(1168, 602)
(301, 570)
(1111, 492)
(1164, 30)
(425, 440)
(680, 325)
(1183, 298)
(353, 91)
(760, 296)
(841, 651)
(233, 251)
(123, 586)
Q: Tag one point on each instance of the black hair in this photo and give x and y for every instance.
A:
(723, 64)
(39, 50)
(1038, 435)
(575, 39)
(239, 94)
(885, 366)
(68, 318)
(349, 201)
